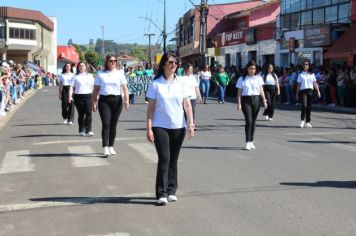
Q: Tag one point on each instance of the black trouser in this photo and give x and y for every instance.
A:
(84, 104)
(270, 94)
(110, 108)
(168, 143)
(193, 102)
(67, 108)
(307, 97)
(250, 107)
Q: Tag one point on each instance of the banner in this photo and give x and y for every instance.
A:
(317, 36)
(138, 84)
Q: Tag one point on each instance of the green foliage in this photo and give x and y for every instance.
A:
(70, 42)
(79, 50)
(92, 58)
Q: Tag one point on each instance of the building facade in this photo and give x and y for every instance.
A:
(308, 29)
(188, 29)
(27, 35)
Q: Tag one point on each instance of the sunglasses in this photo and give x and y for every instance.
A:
(112, 61)
(306, 64)
(172, 62)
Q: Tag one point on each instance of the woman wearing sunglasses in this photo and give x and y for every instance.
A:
(109, 84)
(168, 97)
(306, 85)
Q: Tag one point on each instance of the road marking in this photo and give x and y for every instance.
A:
(16, 161)
(84, 156)
(147, 150)
(111, 234)
(73, 201)
(315, 133)
(84, 140)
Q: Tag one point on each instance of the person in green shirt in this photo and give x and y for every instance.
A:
(221, 79)
(139, 71)
(180, 69)
(148, 70)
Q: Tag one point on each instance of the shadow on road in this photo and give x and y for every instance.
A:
(99, 200)
(213, 148)
(39, 124)
(89, 155)
(45, 135)
(320, 142)
(325, 184)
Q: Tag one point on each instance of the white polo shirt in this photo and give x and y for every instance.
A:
(110, 82)
(66, 79)
(306, 80)
(168, 96)
(250, 86)
(205, 75)
(270, 80)
(83, 83)
(191, 84)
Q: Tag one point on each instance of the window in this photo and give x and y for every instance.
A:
(295, 5)
(286, 22)
(344, 13)
(307, 18)
(318, 16)
(18, 33)
(22, 33)
(321, 3)
(331, 14)
(2, 32)
(295, 21)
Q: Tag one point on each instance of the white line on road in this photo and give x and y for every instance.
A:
(84, 140)
(315, 133)
(146, 149)
(84, 156)
(111, 234)
(71, 201)
(16, 161)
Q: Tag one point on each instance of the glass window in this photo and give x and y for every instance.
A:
(339, 1)
(32, 34)
(2, 32)
(331, 14)
(286, 22)
(307, 18)
(304, 4)
(27, 34)
(287, 6)
(318, 16)
(344, 13)
(295, 21)
(295, 5)
(12, 33)
(321, 3)
(283, 6)
(22, 33)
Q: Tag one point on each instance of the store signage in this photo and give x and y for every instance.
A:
(291, 45)
(230, 38)
(317, 36)
(250, 36)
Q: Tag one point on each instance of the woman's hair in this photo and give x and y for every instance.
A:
(187, 66)
(250, 63)
(107, 58)
(266, 72)
(148, 66)
(64, 68)
(80, 62)
(163, 62)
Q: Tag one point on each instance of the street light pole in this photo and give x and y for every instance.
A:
(149, 46)
(102, 41)
(164, 33)
(204, 9)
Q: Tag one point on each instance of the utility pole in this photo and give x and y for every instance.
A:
(164, 33)
(149, 46)
(102, 42)
(204, 10)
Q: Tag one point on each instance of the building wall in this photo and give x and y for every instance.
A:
(264, 14)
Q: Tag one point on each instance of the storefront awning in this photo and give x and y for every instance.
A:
(344, 47)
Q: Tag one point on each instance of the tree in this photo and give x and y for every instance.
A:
(92, 58)
(70, 42)
(79, 51)
(140, 53)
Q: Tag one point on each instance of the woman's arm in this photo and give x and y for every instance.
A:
(126, 96)
(188, 110)
(150, 110)
(262, 94)
(239, 92)
(95, 97)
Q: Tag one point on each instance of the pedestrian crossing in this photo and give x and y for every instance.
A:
(81, 156)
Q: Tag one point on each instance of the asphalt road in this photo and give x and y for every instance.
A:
(297, 181)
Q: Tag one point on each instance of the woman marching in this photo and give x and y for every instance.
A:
(271, 89)
(65, 80)
(250, 88)
(108, 84)
(306, 85)
(166, 125)
(82, 87)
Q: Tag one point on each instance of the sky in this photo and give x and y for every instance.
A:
(82, 20)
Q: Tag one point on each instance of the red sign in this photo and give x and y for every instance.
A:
(230, 38)
(291, 45)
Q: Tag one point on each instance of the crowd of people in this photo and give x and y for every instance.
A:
(17, 81)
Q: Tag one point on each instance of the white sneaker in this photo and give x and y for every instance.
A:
(112, 151)
(270, 119)
(81, 134)
(106, 152)
(65, 121)
(252, 146)
(70, 123)
(266, 117)
(162, 201)
(248, 146)
(308, 125)
(301, 125)
(90, 134)
(172, 198)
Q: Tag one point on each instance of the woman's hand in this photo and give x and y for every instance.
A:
(150, 136)
(191, 131)
(94, 107)
(265, 103)
(127, 104)
(238, 107)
